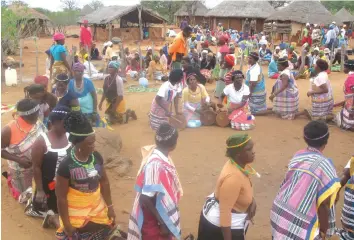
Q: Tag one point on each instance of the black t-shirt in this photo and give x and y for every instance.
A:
(84, 177)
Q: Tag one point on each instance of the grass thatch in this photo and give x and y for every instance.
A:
(242, 9)
(344, 15)
(304, 12)
(27, 13)
(201, 10)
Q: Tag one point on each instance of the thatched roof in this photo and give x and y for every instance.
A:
(27, 13)
(107, 14)
(344, 15)
(86, 10)
(310, 11)
(242, 9)
(201, 10)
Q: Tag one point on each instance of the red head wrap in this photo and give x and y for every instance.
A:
(58, 36)
(230, 60)
(43, 80)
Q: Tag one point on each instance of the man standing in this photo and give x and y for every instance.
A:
(253, 27)
(85, 36)
(330, 37)
(179, 48)
(306, 38)
(246, 28)
(184, 24)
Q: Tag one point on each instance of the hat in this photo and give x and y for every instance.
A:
(344, 25)
(307, 24)
(85, 21)
(277, 48)
(58, 36)
(149, 48)
(315, 25)
(230, 60)
(316, 49)
(109, 43)
(114, 64)
(333, 22)
(326, 50)
(78, 67)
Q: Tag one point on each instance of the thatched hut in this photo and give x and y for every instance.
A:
(86, 10)
(232, 14)
(345, 16)
(297, 14)
(130, 19)
(199, 11)
(31, 22)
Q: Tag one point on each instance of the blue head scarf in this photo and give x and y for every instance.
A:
(114, 64)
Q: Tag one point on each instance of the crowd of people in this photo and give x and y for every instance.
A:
(54, 168)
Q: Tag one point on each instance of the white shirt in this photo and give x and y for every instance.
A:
(343, 32)
(236, 96)
(155, 154)
(168, 92)
(89, 66)
(320, 79)
(331, 34)
(255, 71)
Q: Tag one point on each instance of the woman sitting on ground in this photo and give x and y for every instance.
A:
(207, 64)
(273, 71)
(265, 54)
(226, 75)
(90, 70)
(285, 94)
(188, 69)
(345, 118)
(82, 186)
(113, 93)
(227, 212)
(155, 213)
(194, 97)
(236, 96)
(85, 91)
(160, 107)
(134, 67)
(308, 192)
(321, 94)
(156, 71)
(95, 54)
(163, 60)
(17, 139)
(47, 153)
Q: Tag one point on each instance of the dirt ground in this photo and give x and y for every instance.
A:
(199, 157)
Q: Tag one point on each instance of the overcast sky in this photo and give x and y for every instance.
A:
(56, 4)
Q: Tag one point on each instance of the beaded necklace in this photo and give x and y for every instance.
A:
(81, 164)
(244, 171)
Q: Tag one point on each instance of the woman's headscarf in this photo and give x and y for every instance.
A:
(58, 36)
(230, 60)
(78, 67)
(43, 80)
(190, 75)
(114, 64)
(237, 141)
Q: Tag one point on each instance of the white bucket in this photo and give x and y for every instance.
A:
(10, 77)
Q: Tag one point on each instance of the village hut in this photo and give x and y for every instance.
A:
(289, 21)
(345, 16)
(31, 22)
(232, 14)
(86, 10)
(125, 22)
(197, 13)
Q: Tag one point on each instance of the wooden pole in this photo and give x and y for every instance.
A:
(343, 48)
(21, 46)
(88, 59)
(152, 48)
(140, 57)
(36, 42)
(110, 32)
(164, 31)
(140, 24)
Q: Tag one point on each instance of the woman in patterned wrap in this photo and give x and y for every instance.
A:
(304, 205)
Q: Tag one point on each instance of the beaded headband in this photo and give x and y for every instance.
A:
(239, 145)
(82, 134)
(63, 112)
(29, 112)
(318, 138)
(61, 80)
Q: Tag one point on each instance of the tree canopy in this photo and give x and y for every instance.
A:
(335, 6)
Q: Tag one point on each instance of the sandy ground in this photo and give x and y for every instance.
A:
(199, 157)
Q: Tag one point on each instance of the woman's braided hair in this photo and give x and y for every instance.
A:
(77, 123)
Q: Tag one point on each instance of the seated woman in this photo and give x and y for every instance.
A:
(156, 71)
(47, 153)
(17, 139)
(65, 97)
(237, 95)
(163, 60)
(38, 93)
(228, 211)
(160, 107)
(85, 91)
(95, 54)
(188, 69)
(113, 93)
(134, 67)
(345, 118)
(321, 94)
(265, 54)
(193, 97)
(285, 94)
(82, 186)
(273, 72)
(155, 213)
(90, 70)
(207, 64)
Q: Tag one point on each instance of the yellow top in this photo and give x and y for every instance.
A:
(153, 67)
(194, 97)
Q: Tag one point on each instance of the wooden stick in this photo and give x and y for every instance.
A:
(21, 60)
(177, 120)
(140, 57)
(342, 57)
(36, 42)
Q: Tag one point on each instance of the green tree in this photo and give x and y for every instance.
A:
(96, 4)
(166, 9)
(335, 6)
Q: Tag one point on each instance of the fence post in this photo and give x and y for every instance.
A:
(36, 42)
(343, 52)
(21, 43)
